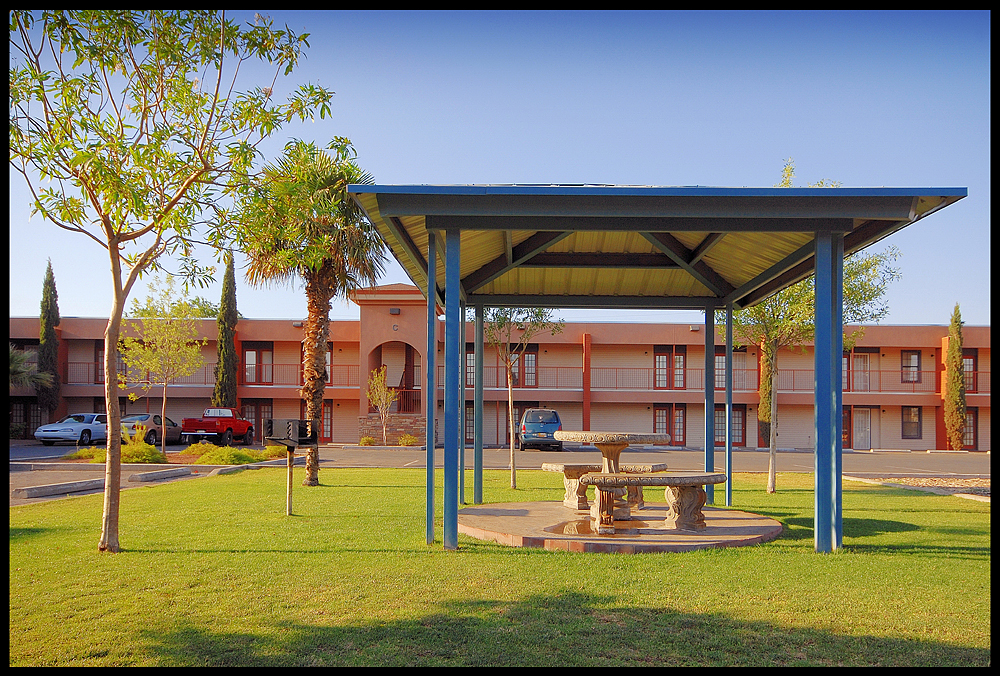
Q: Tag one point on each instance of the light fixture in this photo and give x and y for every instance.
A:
(297, 325)
(694, 327)
(394, 310)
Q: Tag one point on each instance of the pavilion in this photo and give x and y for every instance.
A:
(603, 246)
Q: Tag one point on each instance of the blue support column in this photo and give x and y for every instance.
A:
(825, 393)
(430, 393)
(452, 321)
(729, 405)
(461, 414)
(838, 379)
(477, 472)
(710, 399)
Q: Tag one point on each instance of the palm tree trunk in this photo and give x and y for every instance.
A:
(318, 295)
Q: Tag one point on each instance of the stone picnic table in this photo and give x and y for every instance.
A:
(611, 445)
(684, 491)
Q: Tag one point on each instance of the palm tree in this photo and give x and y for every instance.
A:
(300, 222)
(23, 374)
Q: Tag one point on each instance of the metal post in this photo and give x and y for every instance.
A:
(288, 489)
(838, 379)
(710, 399)
(461, 414)
(824, 393)
(430, 393)
(452, 322)
(729, 405)
(477, 472)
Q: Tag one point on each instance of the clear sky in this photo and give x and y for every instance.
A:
(898, 99)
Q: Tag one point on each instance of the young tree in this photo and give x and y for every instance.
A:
(48, 343)
(787, 319)
(128, 126)
(299, 222)
(510, 331)
(227, 364)
(382, 397)
(168, 348)
(954, 398)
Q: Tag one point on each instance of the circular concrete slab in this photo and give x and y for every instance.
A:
(551, 525)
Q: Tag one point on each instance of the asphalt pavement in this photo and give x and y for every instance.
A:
(32, 464)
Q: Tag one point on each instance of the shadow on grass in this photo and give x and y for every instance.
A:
(21, 534)
(565, 630)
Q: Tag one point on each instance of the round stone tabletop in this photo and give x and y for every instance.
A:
(613, 437)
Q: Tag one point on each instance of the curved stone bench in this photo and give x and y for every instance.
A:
(684, 492)
(576, 493)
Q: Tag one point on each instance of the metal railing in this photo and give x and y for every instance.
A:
(571, 378)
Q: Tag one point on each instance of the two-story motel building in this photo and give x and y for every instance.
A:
(630, 377)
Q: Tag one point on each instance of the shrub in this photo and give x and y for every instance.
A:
(276, 451)
(199, 449)
(407, 440)
(367, 441)
(140, 452)
(17, 431)
(84, 453)
(227, 455)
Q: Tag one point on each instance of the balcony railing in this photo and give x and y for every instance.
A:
(571, 378)
(92, 373)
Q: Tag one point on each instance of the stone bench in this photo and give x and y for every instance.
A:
(684, 492)
(576, 493)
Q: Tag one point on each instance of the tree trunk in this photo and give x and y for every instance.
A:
(318, 295)
(513, 427)
(113, 463)
(163, 422)
(773, 454)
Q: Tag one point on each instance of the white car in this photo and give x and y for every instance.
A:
(81, 428)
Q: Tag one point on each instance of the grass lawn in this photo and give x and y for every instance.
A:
(213, 573)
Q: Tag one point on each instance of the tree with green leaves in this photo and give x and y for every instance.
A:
(381, 397)
(130, 127)
(510, 330)
(168, 347)
(227, 363)
(954, 387)
(786, 320)
(24, 373)
(299, 222)
(48, 343)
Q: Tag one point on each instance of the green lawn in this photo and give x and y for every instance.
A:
(213, 573)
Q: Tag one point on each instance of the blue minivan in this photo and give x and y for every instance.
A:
(537, 428)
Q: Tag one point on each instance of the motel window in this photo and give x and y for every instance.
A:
(525, 368)
(910, 366)
(258, 362)
(739, 424)
(912, 428)
(739, 367)
(470, 365)
(970, 439)
(670, 419)
(970, 366)
(668, 366)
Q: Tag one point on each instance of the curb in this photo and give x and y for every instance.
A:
(926, 489)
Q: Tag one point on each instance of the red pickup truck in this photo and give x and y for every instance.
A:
(222, 424)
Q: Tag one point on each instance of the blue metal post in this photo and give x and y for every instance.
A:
(825, 394)
(729, 405)
(452, 322)
(477, 471)
(710, 399)
(430, 393)
(461, 414)
(838, 379)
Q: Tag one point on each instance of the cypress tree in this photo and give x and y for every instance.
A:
(954, 399)
(227, 365)
(48, 348)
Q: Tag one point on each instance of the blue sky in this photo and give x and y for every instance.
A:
(713, 98)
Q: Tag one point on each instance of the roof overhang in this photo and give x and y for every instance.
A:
(632, 246)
